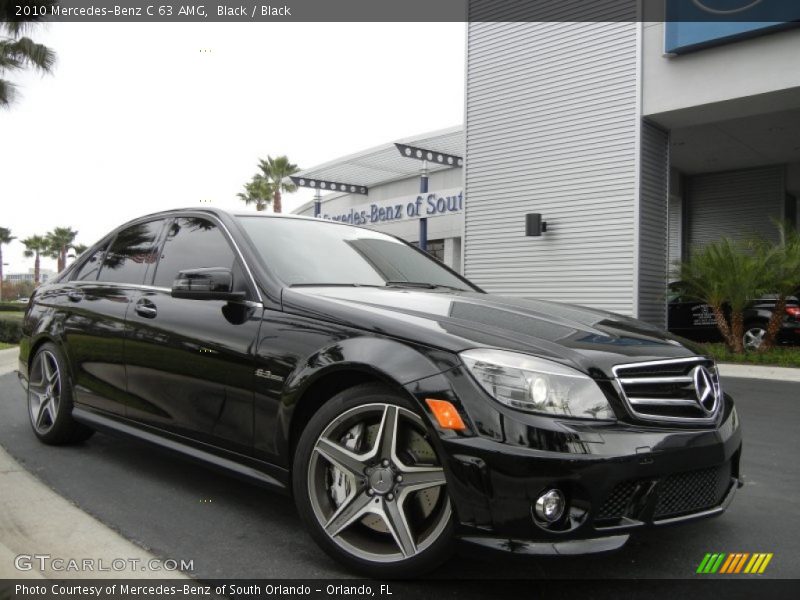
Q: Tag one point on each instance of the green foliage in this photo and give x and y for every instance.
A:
(12, 307)
(781, 263)
(10, 330)
(59, 242)
(269, 183)
(277, 171)
(17, 51)
(780, 356)
(725, 271)
(5, 235)
(257, 191)
(733, 273)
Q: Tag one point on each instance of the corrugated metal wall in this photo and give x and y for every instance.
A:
(738, 204)
(551, 125)
(653, 225)
(675, 210)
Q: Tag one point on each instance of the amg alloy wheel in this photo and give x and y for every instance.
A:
(50, 400)
(754, 335)
(372, 486)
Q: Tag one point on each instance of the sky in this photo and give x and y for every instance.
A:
(137, 118)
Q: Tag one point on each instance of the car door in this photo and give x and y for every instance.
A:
(94, 307)
(190, 362)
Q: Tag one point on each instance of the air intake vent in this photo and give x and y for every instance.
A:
(683, 389)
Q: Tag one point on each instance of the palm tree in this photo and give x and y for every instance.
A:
(60, 240)
(35, 246)
(277, 171)
(5, 238)
(17, 51)
(781, 264)
(257, 191)
(725, 272)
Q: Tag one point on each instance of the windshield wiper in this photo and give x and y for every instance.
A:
(423, 285)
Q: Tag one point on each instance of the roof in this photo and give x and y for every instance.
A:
(384, 163)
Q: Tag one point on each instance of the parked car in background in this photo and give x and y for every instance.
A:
(400, 405)
(694, 319)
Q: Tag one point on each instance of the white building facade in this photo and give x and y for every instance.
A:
(634, 141)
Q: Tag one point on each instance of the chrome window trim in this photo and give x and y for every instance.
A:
(108, 284)
(241, 257)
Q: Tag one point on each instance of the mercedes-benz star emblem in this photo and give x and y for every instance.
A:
(727, 7)
(704, 389)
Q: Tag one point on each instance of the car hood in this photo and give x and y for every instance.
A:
(590, 340)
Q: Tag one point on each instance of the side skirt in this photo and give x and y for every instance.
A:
(261, 472)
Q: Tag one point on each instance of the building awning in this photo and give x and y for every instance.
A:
(384, 163)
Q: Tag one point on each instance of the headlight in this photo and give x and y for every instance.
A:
(537, 385)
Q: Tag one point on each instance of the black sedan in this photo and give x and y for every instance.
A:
(694, 319)
(401, 405)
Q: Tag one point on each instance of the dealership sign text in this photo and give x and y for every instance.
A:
(429, 204)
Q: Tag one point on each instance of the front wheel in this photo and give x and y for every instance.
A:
(370, 486)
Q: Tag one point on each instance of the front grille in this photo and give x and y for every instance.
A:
(673, 495)
(683, 389)
(690, 492)
(618, 501)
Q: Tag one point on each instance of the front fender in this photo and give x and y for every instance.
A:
(395, 362)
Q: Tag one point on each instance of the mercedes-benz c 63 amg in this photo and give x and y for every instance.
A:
(400, 405)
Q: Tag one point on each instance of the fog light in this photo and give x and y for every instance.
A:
(550, 506)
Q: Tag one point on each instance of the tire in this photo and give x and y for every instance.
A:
(378, 506)
(753, 335)
(50, 400)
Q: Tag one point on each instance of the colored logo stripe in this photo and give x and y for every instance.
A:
(758, 563)
(720, 562)
(711, 563)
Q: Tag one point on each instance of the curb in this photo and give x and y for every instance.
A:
(788, 374)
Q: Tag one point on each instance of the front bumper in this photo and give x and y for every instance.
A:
(616, 476)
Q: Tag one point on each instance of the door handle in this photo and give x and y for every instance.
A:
(75, 295)
(146, 309)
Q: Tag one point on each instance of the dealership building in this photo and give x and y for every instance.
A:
(633, 141)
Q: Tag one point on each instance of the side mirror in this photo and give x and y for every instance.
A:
(214, 283)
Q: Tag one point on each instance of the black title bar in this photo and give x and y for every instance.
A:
(102, 11)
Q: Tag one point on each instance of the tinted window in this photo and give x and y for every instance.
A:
(91, 267)
(317, 252)
(131, 252)
(192, 243)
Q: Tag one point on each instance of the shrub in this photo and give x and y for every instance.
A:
(10, 331)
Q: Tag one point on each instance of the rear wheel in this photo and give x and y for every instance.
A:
(50, 400)
(370, 486)
(754, 334)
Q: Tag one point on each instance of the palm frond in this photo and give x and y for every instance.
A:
(5, 235)
(8, 93)
(24, 52)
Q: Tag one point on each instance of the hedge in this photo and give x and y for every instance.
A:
(10, 331)
(13, 306)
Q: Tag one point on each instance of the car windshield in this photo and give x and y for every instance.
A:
(306, 252)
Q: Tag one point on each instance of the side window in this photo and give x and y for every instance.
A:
(91, 266)
(131, 252)
(192, 243)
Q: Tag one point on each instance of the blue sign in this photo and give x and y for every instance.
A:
(695, 24)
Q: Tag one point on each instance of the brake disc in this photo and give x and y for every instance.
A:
(415, 450)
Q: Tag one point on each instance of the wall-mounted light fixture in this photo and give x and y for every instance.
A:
(534, 226)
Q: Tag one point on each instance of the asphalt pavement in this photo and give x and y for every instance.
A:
(229, 528)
